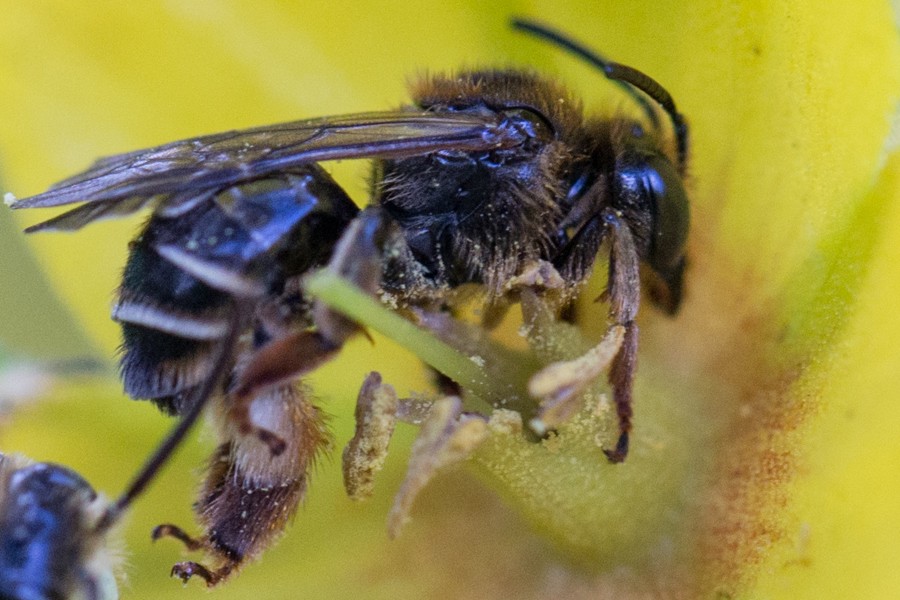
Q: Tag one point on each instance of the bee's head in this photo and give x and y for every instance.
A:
(647, 185)
(648, 189)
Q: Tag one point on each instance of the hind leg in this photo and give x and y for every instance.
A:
(249, 495)
(624, 291)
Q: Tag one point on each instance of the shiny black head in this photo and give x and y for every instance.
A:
(647, 185)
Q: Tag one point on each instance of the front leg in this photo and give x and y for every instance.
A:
(624, 293)
(559, 385)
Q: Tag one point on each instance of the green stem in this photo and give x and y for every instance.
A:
(344, 297)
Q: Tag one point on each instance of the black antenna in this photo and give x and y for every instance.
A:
(628, 78)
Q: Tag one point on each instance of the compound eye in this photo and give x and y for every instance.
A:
(650, 185)
(671, 221)
(671, 214)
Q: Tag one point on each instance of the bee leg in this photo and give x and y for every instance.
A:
(623, 291)
(560, 385)
(621, 377)
(185, 570)
(248, 495)
(281, 361)
(357, 257)
(174, 531)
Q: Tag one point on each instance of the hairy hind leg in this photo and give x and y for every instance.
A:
(249, 495)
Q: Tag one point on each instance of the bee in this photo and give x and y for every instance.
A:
(486, 174)
(52, 543)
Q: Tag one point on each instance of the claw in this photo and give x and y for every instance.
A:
(618, 455)
(185, 570)
(169, 530)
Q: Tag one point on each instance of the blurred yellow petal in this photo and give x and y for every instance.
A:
(765, 463)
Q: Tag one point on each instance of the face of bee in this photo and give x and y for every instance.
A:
(489, 178)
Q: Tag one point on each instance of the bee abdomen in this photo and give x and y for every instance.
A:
(166, 350)
(144, 312)
(187, 265)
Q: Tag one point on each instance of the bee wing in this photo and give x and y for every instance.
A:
(124, 183)
(93, 211)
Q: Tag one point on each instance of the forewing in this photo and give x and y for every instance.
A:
(124, 183)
